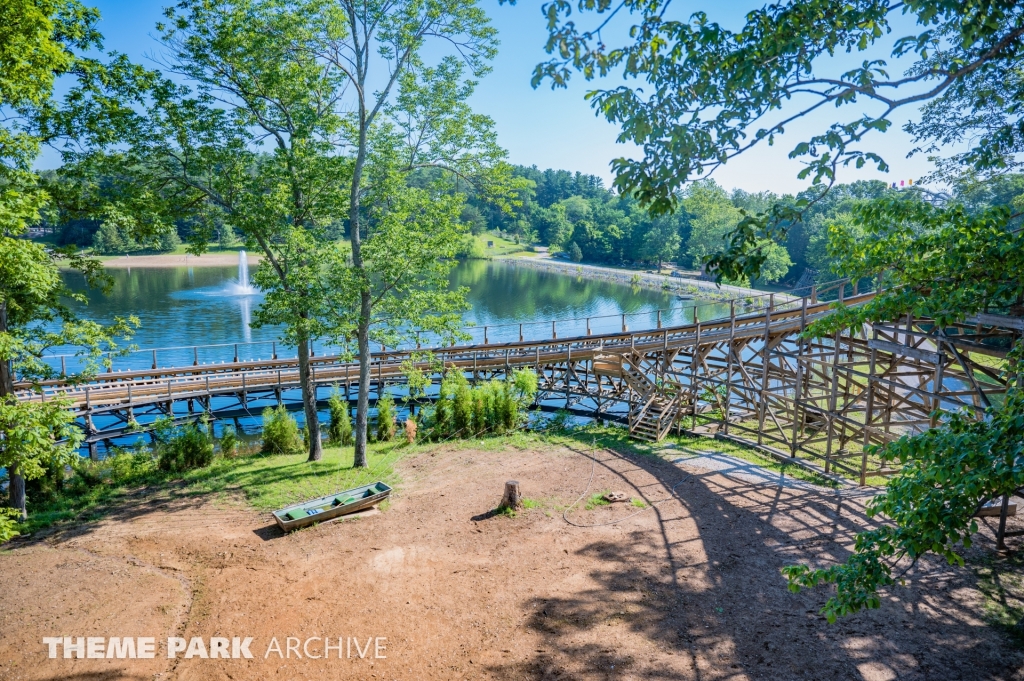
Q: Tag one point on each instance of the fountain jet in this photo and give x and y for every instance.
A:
(242, 286)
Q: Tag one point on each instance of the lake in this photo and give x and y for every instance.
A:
(205, 306)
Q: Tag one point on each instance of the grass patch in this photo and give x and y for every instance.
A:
(479, 250)
(639, 503)
(266, 481)
(501, 246)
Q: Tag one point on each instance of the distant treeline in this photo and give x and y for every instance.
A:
(575, 213)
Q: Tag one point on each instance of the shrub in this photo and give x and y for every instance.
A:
(478, 400)
(188, 448)
(126, 466)
(574, 252)
(49, 485)
(507, 410)
(339, 432)
(462, 409)
(385, 418)
(8, 523)
(561, 422)
(525, 382)
(493, 407)
(229, 442)
(440, 416)
(280, 432)
(88, 473)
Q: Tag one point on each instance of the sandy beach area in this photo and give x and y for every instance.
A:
(227, 259)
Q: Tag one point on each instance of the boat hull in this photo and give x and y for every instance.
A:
(331, 506)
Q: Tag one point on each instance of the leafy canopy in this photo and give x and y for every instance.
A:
(707, 93)
(39, 43)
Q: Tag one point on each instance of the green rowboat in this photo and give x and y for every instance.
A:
(331, 506)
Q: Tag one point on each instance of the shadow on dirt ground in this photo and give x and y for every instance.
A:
(716, 606)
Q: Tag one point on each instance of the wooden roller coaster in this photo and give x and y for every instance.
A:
(751, 377)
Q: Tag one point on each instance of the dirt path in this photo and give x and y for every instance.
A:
(687, 590)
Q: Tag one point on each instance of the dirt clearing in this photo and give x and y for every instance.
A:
(688, 589)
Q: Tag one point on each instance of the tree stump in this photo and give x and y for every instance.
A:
(512, 499)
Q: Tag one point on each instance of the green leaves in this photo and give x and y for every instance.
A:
(943, 264)
(707, 94)
(947, 473)
(37, 435)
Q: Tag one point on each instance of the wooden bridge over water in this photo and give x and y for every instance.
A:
(749, 377)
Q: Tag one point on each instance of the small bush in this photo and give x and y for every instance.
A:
(462, 409)
(229, 442)
(479, 401)
(561, 422)
(444, 413)
(47, 487)
(9, 518)
(127, 467)
(190, 447)
(339, 432)
(385, 418)
(89, 473)
(495, 407)
(280, 432)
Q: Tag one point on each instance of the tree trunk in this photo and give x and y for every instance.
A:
(17, 491)
(16, 487)
(512, 499)
(316, 451)
(363, 400)
(365, 303)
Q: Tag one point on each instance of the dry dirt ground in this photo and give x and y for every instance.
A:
(689, 589)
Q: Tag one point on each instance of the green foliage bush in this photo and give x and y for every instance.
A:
(462, 408)
(561, 422)
(127, 466)
(386, 418)
(494, 407)
(339, 431)
(89, 473)
(8, 523)
(189, 447)
(47, 486)
(229, 442)
(280, 432)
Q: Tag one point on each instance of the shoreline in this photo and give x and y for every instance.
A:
(705, 290)
(228, 259)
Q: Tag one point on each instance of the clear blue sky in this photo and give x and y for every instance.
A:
(558, 129)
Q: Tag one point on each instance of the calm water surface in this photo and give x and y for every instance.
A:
(181, 307)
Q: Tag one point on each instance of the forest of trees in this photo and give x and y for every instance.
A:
(575, 213)
(567, 211)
